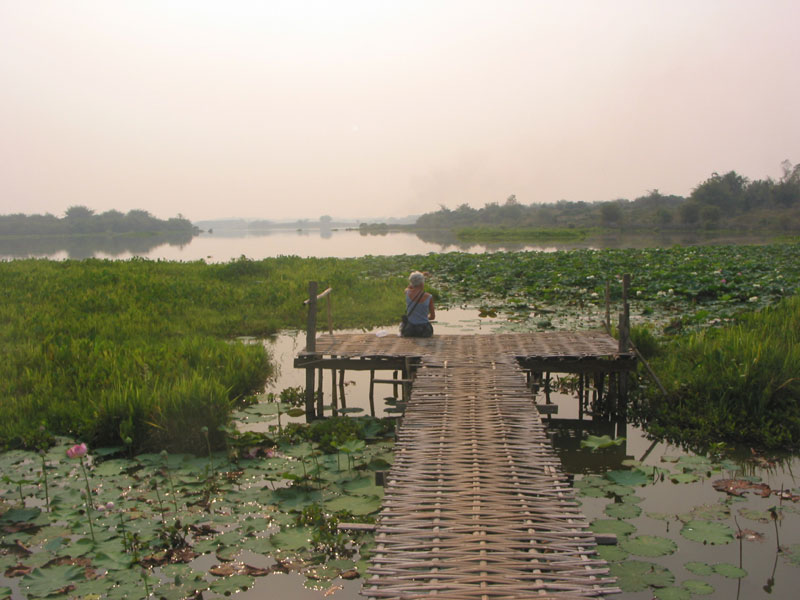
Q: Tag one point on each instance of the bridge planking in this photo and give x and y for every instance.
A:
(476, 505)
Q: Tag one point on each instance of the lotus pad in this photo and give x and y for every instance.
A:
(636, 575)
(707, 532)
(649, 545)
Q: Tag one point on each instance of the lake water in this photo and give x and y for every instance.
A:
(223, 246)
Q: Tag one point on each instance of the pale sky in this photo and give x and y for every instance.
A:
(298, 109)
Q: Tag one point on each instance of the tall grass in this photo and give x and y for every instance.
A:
(740, 382)
(145, 352)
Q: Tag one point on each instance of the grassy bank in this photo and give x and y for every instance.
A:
(144, 352)
(528, 234)
(736, 383)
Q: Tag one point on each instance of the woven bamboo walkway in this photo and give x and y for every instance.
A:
(475, 505)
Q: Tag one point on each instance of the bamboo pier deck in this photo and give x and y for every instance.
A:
(475, 504)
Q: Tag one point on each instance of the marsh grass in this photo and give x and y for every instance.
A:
(736, 383)
(145, 353)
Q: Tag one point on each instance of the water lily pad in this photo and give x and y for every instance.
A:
(231, 585)
(358, 505)
(618, 490)
(648, 545)
(46, 581)
(611, 553)
(634, 477)
(699, 568)
(729, 570)
(623, 510)
(683, 478)
(707, 532)
(636, 575)
(761, 516)
(614, 526)
(672, 593)
(595, 443)
(792, 555)
(707, 512)
(697, 587)
(292, 538)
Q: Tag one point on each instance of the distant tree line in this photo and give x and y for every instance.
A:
(729, 200)
(83, 220)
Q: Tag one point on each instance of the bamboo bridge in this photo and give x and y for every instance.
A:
(476, 505)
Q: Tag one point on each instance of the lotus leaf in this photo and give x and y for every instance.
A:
(623, 510)
(707, 512)
(683, 478)
(46, 581)
(292, 538)
(634, 477)
(697, 587)
(358, 505)
(5, 592)
(614, 526)
(707, 532)
(792, 554)
(648, 545)
(618, 490)
(259, 545)
(672, 593)
(611, 553)
(761, 516)
(20, 515)
(635, 575)
(595, 443)
(729, 570)
(231, 585)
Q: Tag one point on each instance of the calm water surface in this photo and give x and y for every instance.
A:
(222, 246)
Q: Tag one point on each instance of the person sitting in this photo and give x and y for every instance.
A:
(419, 308)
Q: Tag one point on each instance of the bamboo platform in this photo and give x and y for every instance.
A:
(475, 504)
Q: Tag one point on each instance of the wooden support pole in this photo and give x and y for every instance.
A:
(341, 388)
(320, 396)
(330, 314)
(372, 392)
(311, 346)
(394, 386)
(334, 394)
(608, 306)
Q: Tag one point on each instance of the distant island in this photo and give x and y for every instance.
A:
(80, 220)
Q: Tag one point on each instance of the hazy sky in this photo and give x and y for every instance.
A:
(370, 108)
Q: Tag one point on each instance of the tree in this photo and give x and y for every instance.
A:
(611, 213)
(689, 212)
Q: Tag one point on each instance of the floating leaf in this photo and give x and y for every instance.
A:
(672, 593)
(231, 585)
(623, 510)
(683, 478)
(762, 516)
(595, 443)
(636, 575)
(611, 553)
(634, 477)
(46, 581)
(792, 555)
(707, 532)
(648, 545)
(614, 526)
(698, 588)
(292, 538)
(729, 570)
(699, 568)
(618, 490)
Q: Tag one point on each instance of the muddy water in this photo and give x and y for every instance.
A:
(769, 572)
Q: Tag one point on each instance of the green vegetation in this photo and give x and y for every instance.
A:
(721, 201)
(82, 220)
(267, 495)
(735, 383)
(519, 233)
(143, 353)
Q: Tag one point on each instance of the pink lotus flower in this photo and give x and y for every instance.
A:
(78, 451)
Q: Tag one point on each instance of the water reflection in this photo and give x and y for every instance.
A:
(225, 245)
(91, 246)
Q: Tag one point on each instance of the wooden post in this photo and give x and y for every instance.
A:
(624, 346)
(341, 388)
(394, 385)
(320, 396)
(608, 305)
(372, 392)
(330, 318)
(334, 396)
(311, 346)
